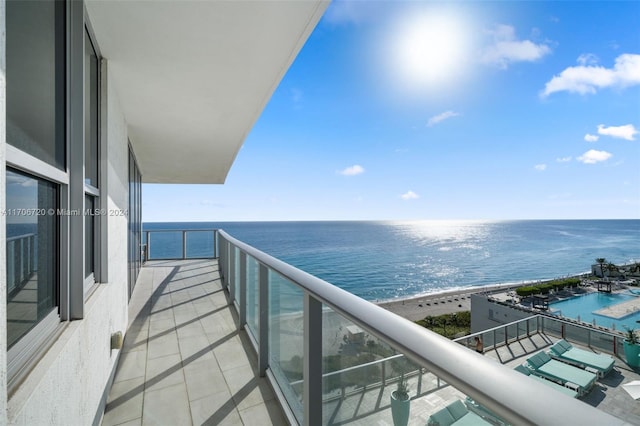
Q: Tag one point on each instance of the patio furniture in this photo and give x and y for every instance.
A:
(566, 352)
(542, 365)
(565, 390)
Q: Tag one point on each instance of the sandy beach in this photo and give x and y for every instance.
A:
(415, 308)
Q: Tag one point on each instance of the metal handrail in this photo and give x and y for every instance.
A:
(489, 383)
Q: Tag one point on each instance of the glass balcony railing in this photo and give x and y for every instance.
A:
(21, 260)
(335, 358)
(179, 244)
(493, 338)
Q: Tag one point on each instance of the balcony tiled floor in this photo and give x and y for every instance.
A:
(184, 362)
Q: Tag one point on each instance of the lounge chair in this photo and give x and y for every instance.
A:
(566, 352)
(542, 365)
(565, 390)
(456, 414)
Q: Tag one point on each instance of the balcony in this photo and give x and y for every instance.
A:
(244, 337)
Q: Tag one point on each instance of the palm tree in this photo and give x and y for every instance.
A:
(611, 268)
(601, 261)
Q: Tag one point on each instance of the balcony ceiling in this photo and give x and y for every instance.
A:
(192, 77)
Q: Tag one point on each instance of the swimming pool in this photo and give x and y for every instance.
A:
(583, 307)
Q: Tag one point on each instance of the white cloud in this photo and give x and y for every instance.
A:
(587, 59)
(351, 12)
(587, 79)
(628, 131)
(352, 170)
(441, 117)
(540, 167)
(592, 156)
(563, 159)
(409, 195)
(507, 49)
(591, 138)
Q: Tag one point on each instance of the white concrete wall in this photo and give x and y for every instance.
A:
(486, 314)
(3, 227)
(67, 385)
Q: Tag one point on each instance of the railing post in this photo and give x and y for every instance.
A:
(312, 373)
(223, 260)
(506, 335)
(495, 341)
(184, 244)
(419, 381)
(215, 243)
(263, 320)
(148, 246)
(384, 374)
(562, 330)
(232, 273)
(242, 314)
(11, 265)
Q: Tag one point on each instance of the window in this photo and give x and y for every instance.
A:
(91, 162)
(36, 173)
(35, 72)
(32, 252)
(54, 181)
(134, 221)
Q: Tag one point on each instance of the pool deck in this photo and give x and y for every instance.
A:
(620, 310)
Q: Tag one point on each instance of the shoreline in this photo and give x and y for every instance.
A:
(443, 302)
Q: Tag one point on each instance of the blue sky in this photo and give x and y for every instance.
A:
(458, 110)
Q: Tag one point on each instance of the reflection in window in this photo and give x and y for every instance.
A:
(32, 252)
(89, 236)
(36, 79)
(90, 113)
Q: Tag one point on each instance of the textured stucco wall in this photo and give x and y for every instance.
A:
(66, 386)
(3, 229)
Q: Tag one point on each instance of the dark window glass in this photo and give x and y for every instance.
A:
(32, 252)
(90, 112)
(89, 235)
(134, 221)
(35, 72)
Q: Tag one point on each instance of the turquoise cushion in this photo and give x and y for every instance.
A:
(441, 418)
(457, 409)
(524, 370)
(564, 344)
(536, 361)
(558, 348)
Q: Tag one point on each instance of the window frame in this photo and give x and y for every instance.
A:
(71, 288)
(25, 350)
(99, 221)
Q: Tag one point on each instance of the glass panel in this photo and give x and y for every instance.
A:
(236, 275)
(32, 252)
(199, 244)
(165, 245)
(35, 75)
(362, 374)
(576, 334)
(89, 236)
(286, 339)
(253, 296)
(90, 112)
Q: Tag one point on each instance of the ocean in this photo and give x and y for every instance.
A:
(386, 260)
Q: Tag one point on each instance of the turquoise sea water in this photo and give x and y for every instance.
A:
(387, 260)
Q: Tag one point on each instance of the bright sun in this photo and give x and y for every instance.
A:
(431, 49)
